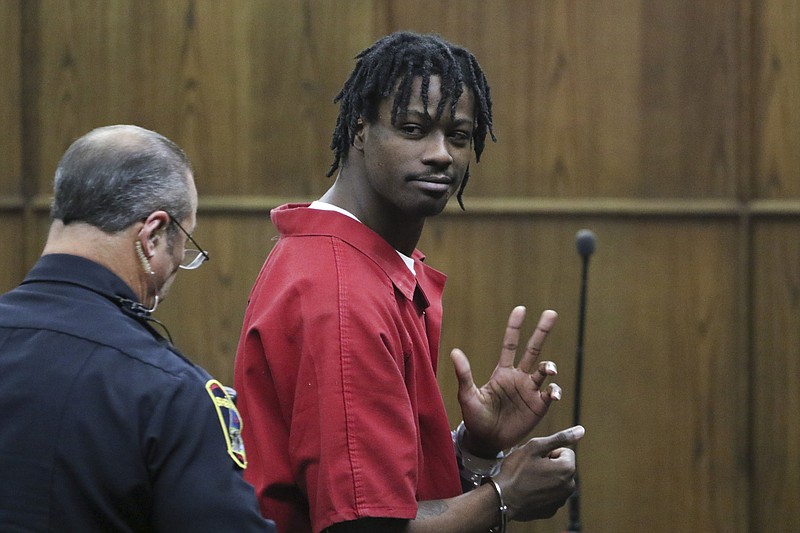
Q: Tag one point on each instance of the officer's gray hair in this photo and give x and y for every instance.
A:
(114, 176)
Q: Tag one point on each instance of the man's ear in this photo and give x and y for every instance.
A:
(358, 140)
(150, 232)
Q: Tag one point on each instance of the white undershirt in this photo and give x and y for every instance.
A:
(324, 206)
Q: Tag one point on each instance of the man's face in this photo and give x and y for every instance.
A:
(415, 165)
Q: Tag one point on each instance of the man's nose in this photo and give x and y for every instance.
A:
(437, 151)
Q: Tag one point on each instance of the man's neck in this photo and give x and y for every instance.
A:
(113, 251)
(395, 228)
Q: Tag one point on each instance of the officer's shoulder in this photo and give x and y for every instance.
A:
(134, 342)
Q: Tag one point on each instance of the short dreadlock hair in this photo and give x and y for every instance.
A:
(394, 62)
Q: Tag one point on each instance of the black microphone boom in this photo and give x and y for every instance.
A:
(585, 242)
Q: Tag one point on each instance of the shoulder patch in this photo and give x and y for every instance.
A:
(229, 419)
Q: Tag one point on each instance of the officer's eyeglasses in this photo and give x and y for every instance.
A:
(191, 258)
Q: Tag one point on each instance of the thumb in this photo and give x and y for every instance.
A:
(542, 446)
(463, 372)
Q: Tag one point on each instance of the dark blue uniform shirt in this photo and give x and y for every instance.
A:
(103, 425)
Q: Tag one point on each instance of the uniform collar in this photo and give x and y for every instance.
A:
(66, 268)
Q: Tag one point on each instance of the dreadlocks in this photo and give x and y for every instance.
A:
(393, 62)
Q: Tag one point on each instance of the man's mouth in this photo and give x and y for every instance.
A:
(437, 183)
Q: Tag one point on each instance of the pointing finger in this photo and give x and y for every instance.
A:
(542, 446)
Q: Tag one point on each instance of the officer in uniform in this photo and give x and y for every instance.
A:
(105, 425)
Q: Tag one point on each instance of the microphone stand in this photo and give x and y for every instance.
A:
(585, 242)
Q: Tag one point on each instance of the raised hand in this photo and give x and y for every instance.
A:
(503, 411)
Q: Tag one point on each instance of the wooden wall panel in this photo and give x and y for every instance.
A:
(775, 90)
(12, 270)
(775, 460)
(241, 86)
(10, 86)
(668, 391)
(775, 457)
(690, 108)
(11, 186)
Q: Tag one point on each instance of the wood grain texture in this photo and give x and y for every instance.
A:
(12, 270)
(10, 89)
(775, 457)
(776, 86)
(246, 88)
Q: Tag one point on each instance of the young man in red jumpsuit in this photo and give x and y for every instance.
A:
(336, 365)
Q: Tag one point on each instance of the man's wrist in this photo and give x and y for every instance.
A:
(472, 468)
(503, 508)
(475, 447)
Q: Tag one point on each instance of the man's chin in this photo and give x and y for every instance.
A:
(436, 206)
(164, 291)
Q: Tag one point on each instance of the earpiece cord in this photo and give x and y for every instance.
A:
(140, 313)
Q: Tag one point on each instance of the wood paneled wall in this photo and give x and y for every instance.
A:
(670, 128)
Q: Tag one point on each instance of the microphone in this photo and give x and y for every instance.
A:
(585, 242)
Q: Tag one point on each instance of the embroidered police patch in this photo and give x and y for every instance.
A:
(230, 420)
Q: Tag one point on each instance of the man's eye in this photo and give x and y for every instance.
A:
(461, 136)
(411, 129)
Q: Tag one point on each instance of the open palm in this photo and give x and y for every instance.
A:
(502, 412)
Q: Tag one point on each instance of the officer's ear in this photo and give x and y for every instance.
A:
(152, 231)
